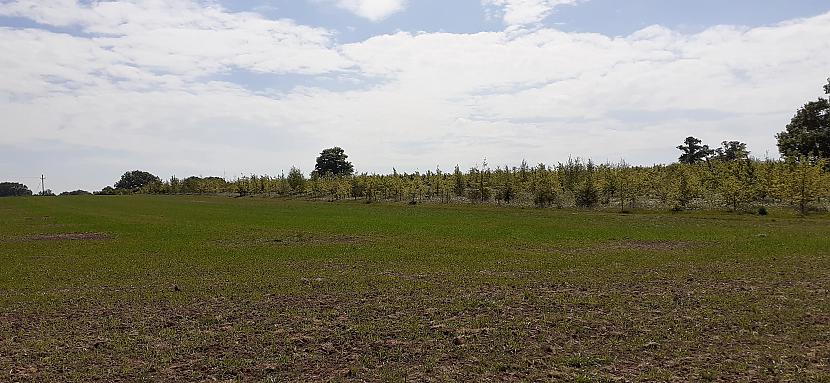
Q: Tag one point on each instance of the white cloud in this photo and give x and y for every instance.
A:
(140, 92)
(374, 10)
(187, 38)
(523, 12)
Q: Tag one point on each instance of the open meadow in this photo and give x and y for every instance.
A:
(191, 288)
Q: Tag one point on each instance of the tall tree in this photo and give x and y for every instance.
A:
(135, 180)
(693, 151)
(458, 182)
(333, 162)
(808, 134)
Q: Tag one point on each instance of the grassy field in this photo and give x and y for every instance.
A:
(144, 288)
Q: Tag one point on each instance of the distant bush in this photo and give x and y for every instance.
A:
(14, 189)
(76, 192)
(109, 190)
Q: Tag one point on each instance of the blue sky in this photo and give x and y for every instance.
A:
(188, 87)
(609, 17)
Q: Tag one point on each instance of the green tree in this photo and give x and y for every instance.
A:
(803, 183)
(135, 180)
(808, 133)
(586, 194)
(607, 182)
(109, 190)
(477, 192)
(191, 185)
(627, 184)
(333, 162)
(483, 192)
(174, 185)
(732, 151)
(342, 188)
(693, 151)
(296, 180)
(736, 183)
(458, 182)
(506, 189)
(213, 184)
(14, 189)
(546, 187)
(684, 185)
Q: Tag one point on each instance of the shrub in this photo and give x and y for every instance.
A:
(76, 192)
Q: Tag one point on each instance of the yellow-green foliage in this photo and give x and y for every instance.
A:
(734, 182)
(719, 184)
(545, 187)
(802, 183)
(683, 184)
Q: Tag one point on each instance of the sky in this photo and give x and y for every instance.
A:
(92, 89)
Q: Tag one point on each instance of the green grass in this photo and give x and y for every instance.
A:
(202, 288)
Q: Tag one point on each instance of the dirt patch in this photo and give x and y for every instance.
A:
(646, 245)
(294, 239)
(616, 246)
(69, 237)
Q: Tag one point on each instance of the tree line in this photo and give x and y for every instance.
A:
(715, 183)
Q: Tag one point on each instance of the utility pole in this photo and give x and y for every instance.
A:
(42, 184)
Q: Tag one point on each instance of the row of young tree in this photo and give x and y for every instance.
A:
(739, 184)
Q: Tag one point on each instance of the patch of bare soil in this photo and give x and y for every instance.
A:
(294, 239)
(69, 237)
(647, 245)
(614, 246)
